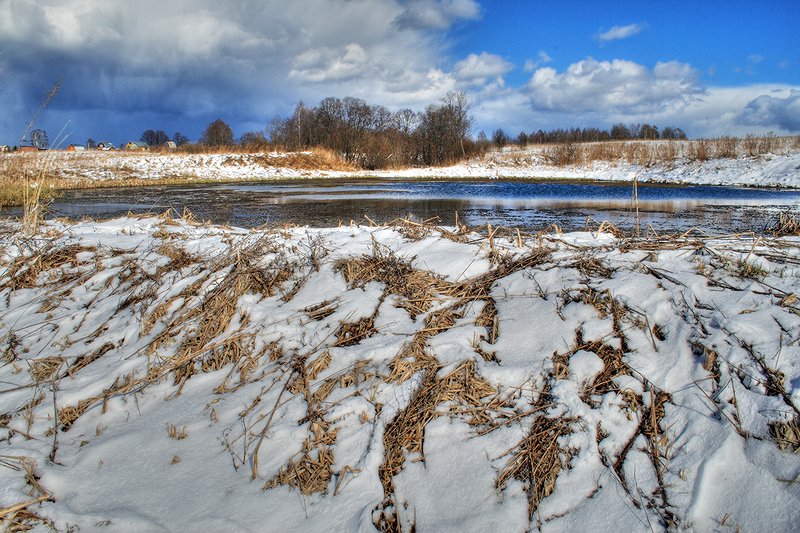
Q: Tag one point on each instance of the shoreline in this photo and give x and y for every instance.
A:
(63, 170)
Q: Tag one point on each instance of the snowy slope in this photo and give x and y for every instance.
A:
(771, 170)
(164, 375)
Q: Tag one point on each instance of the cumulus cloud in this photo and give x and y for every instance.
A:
(773, 112)
(438, 14)
(619, 32)
(614, 86)
(327, 64)
(478, 69)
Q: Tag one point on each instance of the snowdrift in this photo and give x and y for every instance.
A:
(163, 375)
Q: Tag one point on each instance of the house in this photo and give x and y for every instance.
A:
(27, 149)
(5, 148)
(76, 148)
(105, 145)
(170, 145)
(136, 146)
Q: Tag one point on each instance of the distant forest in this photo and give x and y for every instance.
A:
(372, 137)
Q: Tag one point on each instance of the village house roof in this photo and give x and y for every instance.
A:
(133, 145)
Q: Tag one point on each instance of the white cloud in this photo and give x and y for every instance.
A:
(327, 64)
(779, 112)
(619, 32)
(613, 86)
(477, 69)
(438, 14)
(543, 59)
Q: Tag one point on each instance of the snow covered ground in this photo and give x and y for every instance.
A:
(780, 169)
(769, 170)
(162, 375)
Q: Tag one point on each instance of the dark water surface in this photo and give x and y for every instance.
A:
(524, 204)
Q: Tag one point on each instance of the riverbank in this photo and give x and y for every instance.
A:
(162, 374)
(776, 164)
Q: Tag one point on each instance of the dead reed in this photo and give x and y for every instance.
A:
(538, 458)
(786, 434)
(25, 270)
(17, 516)
(406, 432)
(416, 288)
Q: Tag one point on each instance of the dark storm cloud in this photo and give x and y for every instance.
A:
(204, 59)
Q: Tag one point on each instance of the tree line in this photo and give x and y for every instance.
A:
(617, 132)
(372, 137)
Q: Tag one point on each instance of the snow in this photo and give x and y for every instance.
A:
(668, 369)
(780, 168)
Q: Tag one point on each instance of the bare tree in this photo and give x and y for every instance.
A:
(218, 133)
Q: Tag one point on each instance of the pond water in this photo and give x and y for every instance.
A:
(529, 205)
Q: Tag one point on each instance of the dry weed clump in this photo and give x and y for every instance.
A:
(179, 258)
(24, 271)
(213, 315)
(311, 473)
(787, 225)
(17, 516)
(44, 368)
(316, 159)
(406, 432)
(538, 458)
(488, 319)
(413, 356)
(26, 179)
(725, 147)
(613, 367)
(321, 310)
(176, 433)
(786, 434)
(592, 267)
(563, 154)
(350, 333)
(417, 288)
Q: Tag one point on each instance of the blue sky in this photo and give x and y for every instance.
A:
(712, 68)
(730, 43)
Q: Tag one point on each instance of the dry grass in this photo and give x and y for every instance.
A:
(406, 432)
(350, 333)
(176, 433)
(786, 434)
(44, 368)
(310, 473)
(787, 225)
(416, 288)
(17, 517)
(650, 152)
(47, 171)
(538, 458)
(25, 270)
(25, 178)
(204, 323)
(316, 159)
(613, 366)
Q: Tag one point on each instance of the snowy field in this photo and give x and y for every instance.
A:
(162, 375)
(781, 169)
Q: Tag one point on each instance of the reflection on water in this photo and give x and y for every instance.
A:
(528, 205)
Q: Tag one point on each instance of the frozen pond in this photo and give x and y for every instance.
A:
(528, 205)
